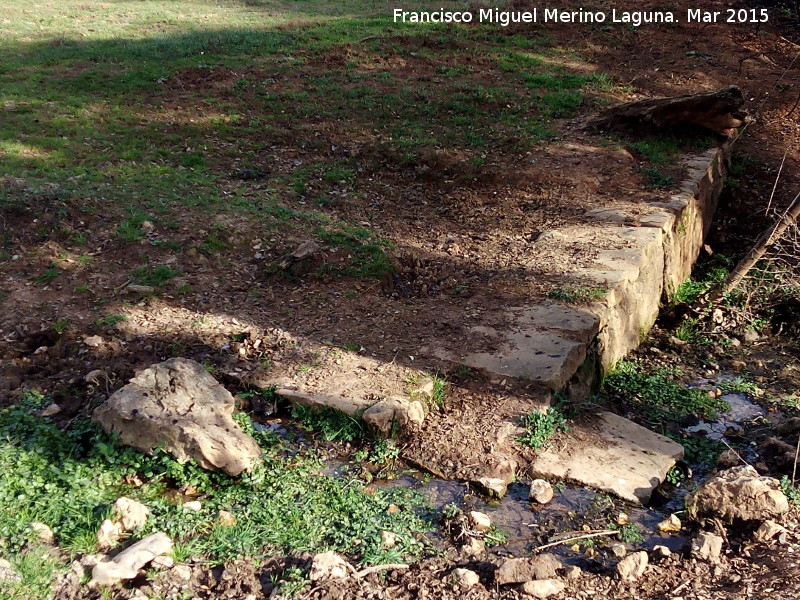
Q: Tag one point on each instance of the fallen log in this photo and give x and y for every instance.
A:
(718, 111)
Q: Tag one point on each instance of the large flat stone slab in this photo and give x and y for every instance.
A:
(614, 455)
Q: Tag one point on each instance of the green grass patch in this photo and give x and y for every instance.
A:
(577, 294)
(659, 396)
(367, 255)
(69, 480)
(154, 276)
(540, 427)
(331, 424)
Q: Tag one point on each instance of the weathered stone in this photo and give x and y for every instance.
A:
(707, 546)
(466, 578)
(632, 566)
(162, 562)
(388, 539)
(670, 524)
(739, 493)
(501, 474)
(130, 514)
(473, 548)
(392, 413)
(49, 411)
(226, 519)
(193, 505)
(181, 572)
(612, 454)
(328, 565)
(543, 588)
(729, 458)
(541, 491)
(480, 521)
(519, 570)
(127, 563)
(767, 530)
(44, 533)
(179, 406)
(661, 552)
(7, 572)
(618, 549)
(109, 534)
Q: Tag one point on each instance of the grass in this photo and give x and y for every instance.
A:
(541, 427)
(154, 276)
(162, 110)
(577, 294)
(331, 424)
(69, 480)
(659, 396)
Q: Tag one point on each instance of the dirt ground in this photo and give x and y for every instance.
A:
(463, 253)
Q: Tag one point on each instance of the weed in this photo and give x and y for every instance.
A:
(741, 386)
(383, 452)
(332, 424)
(62, 325)
(628, 533)
(154, 276)
(211, 244)
(661, 398)
(688, 330)
(577, 294)
(699, 449)
(439, 390)
(541, 427)
(48, 275)
(110, 320)
(130, 230)
(657, 180)
(658, 150)
(790, 490)
(675, 476)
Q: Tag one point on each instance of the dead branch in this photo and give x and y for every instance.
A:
(718, 111)
(764, 241)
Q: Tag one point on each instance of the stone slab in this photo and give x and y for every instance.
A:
(614, 455)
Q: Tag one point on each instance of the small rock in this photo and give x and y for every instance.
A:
(43, 531)
(394, 412)
(480, 521)
(632, 566)
(750, 336)
(226, 519)
(93, 341)
(90, 560)
(573, 573)
(328, 565)
(738, 365)
(543, 588)
(473, 548)
(127, 563)
(388, 539)
(739, 493)
(109, 534)
(676, 341)
(618, 549)
(541, 491)
(140, 289)
(767, 531)
(130, 514)
(466, 578)
(622, 519)
(728, 459)
(519, 570)
(49, 410)
(181, 572)
(162, 562)
(96, 377)
(7, 572)
(495, 484)
(194, 505)
(707, 546)
(670, 524)
(148, 227)
(661, 552)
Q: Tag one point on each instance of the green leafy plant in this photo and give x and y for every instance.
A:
(541, 427)
(332, 424)
(154, 276)
(628, 533)
(790, 490)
